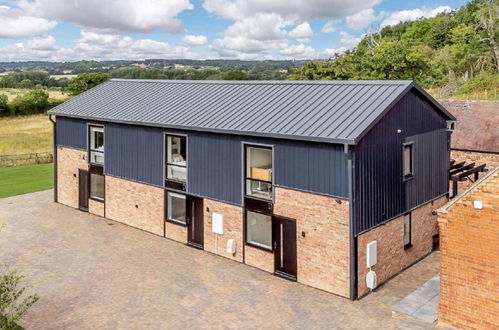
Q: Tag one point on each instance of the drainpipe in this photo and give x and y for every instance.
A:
(54, 134)
(349, 152)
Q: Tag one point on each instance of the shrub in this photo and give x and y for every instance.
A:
(34, 101)
(85, 81)
(4, 100)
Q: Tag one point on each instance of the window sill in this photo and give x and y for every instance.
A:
(408, 246)
(178, 223)
(97, 199)
(408, 177)
(259, 247)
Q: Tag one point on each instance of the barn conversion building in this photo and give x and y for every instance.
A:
(329, 183)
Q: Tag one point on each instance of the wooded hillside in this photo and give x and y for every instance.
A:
(456, 51)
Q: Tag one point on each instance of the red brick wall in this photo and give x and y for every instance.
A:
(68, 162)
(233, 229)
(96, 207)
(259, 258)
(136, 204)
(392, 257)
(323, 254)
(469, 242)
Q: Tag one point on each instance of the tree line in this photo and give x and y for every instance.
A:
(453, 50)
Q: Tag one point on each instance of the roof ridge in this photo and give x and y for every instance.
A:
(270, 82)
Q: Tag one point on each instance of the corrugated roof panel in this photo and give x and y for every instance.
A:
(329, 111)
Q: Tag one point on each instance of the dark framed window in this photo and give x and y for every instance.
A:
(408, 160)
(259, 230)
(176, 158)
(96, 144)
(258, 172)
(97, 183)
(176, 208)
(407, 230)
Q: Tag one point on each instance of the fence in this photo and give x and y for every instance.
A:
(26, 159)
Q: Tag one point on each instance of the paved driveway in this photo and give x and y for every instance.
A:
(94, 273)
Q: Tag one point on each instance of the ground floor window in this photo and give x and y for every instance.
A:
(97, 183)
(259, 229)
(176, 207)
(407, 230)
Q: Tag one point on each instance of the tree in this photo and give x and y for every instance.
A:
(85, 81)
(3, 103)
(34, 101)
(488, 19)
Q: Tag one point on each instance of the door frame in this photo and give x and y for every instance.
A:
(276, 243)
(87, 188)
(195, 221)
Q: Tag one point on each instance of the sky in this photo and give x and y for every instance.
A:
(72, 30)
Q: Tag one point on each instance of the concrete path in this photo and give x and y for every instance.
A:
(423, 302)
(93, 273)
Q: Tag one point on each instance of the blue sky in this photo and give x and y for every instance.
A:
(66, 30)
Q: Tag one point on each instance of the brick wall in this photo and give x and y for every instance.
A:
(323, 254)
(135, 204)
(176, 232)
(233, 229)
(68, 162)
(259, 258)
(392, 257)
(469, 275)
(492, 160)
(96, 207)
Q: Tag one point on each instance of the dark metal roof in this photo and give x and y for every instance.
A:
(326, 111)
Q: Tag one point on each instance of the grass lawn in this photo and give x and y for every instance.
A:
(25, 134)
(24, 179)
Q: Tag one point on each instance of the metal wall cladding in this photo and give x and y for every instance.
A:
(215, 161)
(380, 190)
(71, 132)
(134, 153)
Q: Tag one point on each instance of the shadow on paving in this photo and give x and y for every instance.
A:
(95, 273)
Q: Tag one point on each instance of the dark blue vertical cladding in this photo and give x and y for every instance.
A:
(216, 166)
(71, 133)
(134, 153)
(380, 190)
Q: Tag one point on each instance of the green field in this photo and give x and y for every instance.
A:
(25, 179)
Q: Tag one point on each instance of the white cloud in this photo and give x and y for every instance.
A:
(297, 10)
(349, 41)
(14, 23)
(192, 40)
(330, 26)
(300, 51)
(302, 32)
(112, 15)
(361, 20)
(252, 37)
(396, 17)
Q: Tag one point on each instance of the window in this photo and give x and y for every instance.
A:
(259, 230)
(408, 160)
(407, 230)
(176, 208)
(176, 158)
(96, 144)
(259, 172)
(96, 186)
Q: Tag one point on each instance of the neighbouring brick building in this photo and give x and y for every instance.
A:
(469, 275)
(476, 135)
(294, 178)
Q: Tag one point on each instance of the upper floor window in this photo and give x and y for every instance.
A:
(96, 144)
(259, 172)
(176, 157)
(408, 160)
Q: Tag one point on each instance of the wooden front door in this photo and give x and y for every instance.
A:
(284, 236)
(83, 190)
(195, 222)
